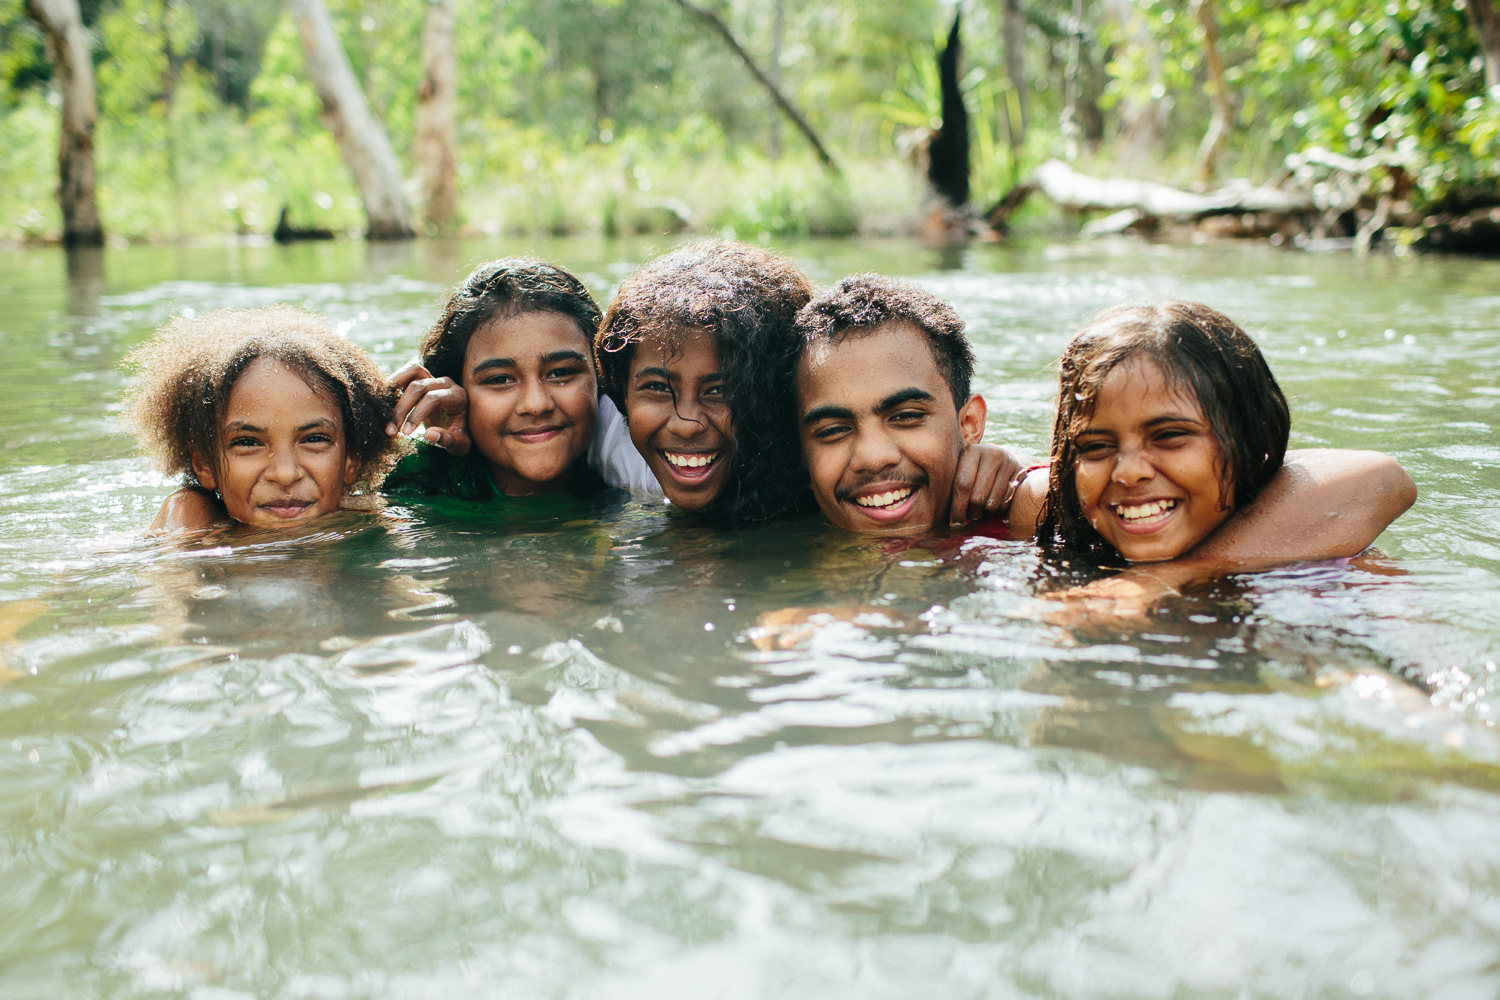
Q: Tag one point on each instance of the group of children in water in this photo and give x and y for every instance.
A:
(720, 378)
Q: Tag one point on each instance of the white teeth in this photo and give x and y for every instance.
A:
(690, 461)
(1145, 511)
(884, 499)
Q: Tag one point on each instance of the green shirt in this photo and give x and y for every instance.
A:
(431, 471)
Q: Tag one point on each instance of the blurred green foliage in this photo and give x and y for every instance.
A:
(628, 115)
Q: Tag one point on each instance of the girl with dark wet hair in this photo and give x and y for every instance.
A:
(507, 391)
(696, 349)
(1170, 448)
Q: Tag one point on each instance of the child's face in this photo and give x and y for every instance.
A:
(533, 399)
(1148, 474)
(282, 460)
(679, 419)
(880, 434)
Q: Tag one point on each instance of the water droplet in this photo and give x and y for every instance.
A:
(35, 757)
(1363, 984)
(514, 650)
(708, 626)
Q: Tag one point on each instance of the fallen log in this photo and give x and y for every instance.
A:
(1066, 187)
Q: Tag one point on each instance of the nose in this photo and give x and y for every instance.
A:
(687, 420)
(1132, 467)
(283, 468)
(536, 397)
(874, 451)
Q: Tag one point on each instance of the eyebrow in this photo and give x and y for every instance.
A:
(895, 399)
(240, 425)
(489, 363)
(564, 355)
(1169, 418)
(663, 373)
(827, 413)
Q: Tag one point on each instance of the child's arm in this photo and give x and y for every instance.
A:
(1322, 504)
(191, 508)
(982, 481)
(425, 400)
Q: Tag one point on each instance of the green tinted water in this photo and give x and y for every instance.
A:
(558, 756)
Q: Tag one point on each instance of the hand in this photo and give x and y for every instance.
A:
(981, 486)
(423, 400)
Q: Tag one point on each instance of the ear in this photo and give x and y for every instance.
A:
(352, 468)
(203, 471)
(971, 419)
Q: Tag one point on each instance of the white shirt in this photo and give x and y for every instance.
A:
(613, 454)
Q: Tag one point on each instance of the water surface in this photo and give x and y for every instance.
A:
(558, 754)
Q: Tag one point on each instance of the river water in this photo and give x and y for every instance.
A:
(559, 755)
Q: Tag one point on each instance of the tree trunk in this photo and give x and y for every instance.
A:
(362, 140)
(1218, 127)
(436, 160)
(1486, 18)
(717, 23)
(778, 36)
(1066, 187)
(1013, 28)
(68, 44)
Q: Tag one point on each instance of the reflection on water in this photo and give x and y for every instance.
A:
(596, 749)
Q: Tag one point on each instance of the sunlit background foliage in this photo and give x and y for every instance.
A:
(628, 115)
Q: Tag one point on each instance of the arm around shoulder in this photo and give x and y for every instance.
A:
(1026, 507)
(1322, 504)
(189, 509)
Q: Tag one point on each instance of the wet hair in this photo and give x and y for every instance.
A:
(861, 302)
(503, 288)
(185, 373)
(747, 297)
(1201, 352)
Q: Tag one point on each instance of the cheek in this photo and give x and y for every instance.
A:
(1089, 480)
(643, 420)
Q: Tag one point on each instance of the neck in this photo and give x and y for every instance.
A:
(513, 485)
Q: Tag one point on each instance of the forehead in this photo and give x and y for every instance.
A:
(867, 366)
(687, 350)
(269, 389)
(525, 335)
(1142, 389)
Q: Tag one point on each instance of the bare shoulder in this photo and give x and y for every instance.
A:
(1026, 508)
(1374, 476)
(189, 509)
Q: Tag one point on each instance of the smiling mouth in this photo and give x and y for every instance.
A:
(1144, 515)
(885, 500)
(536, 435)
(689, 466)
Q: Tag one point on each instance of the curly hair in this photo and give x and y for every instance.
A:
(185, 373)
(1200, 351)
(503, 288)
(862, 302)
(747, 297)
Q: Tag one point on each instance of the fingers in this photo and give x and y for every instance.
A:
(409, 373)
(422, 399)
(963, 486)
(450, 439)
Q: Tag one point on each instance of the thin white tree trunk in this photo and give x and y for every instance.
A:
(1218, 127)
(436, 159)
(1486, 18)
(362, 140)
(773, 71)
(68, 44)
(1013, 28)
